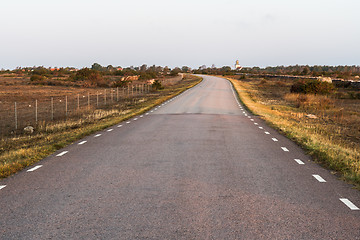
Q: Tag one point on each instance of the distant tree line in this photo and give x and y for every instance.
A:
(344, 72)
(226, 70)
(144, 72)
(96, 75)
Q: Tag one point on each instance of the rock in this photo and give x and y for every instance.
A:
(312, 116)
(29, 129)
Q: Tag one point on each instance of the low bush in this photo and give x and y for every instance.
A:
(157, 85)
(120, 84)
(262, 82)
(147, 75)
(93, 76)
(36, 77)
(312, 87)
(309, 101)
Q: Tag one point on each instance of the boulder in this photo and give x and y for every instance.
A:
(29, 129)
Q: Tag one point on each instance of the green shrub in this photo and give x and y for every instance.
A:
(312, 86)
(157, 85)
(120, 83)
(298, 87)
(36, 77)
(147, 75)
(93, 76)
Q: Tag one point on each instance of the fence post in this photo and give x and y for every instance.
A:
(66, 107)
(16, 118)
(105, 96)
(117, 94)
(132, 90)
(78, 102)
(36, 111)
(111, 95)
(128, 89)
(97, 99)
(88, 100)
(52, 108)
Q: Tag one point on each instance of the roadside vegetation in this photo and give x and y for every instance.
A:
(21, 151)
(322, 118)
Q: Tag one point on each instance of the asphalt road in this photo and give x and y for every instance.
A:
(197, 167)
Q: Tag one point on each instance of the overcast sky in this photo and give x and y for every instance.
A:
(179, 32)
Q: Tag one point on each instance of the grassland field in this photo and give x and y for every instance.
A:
(327, 127)
(22, 150)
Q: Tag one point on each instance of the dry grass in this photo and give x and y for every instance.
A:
(42, 103)
(332, 138)
(310, 101)
(17, 153)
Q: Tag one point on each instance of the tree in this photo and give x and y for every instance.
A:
(175, 71)
(185, 69)
(143, 68)
(97, 67)
(110, 68)
(306, 70)
(203, 67)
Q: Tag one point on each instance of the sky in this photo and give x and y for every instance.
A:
(78, 33)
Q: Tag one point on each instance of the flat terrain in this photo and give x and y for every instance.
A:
(48, 102)
(196, 167)
(327, 126)
(20, 89)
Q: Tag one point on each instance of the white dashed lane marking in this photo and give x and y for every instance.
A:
(317, 177)
(142, 116)
(62, 154)
(146, 113)
(299, 161)
(348, 203)
(252, 119)
(97, 135)
(285, 149)
(109, 130)
(128, 122)
(2, 186)
(81, 143)
(34, 168)
(119, 125)
(135, 119)
(256, 124)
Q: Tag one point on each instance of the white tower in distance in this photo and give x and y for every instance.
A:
(237, 65)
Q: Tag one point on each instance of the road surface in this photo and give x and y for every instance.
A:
(199, 166)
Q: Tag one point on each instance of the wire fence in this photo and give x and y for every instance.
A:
(19, 117)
